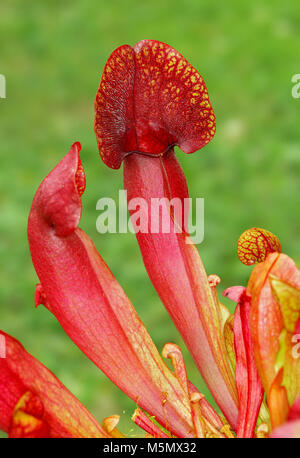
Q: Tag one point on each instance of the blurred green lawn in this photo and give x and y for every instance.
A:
(52, 55)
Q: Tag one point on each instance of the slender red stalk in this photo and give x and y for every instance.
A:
(150, 99)
(143, 421)
(177, 273)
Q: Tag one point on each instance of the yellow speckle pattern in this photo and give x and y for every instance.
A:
(80, 181)
(173, 93)
(150, 98)
(255, 244)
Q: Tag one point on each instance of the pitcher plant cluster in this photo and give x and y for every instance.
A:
(149, 100)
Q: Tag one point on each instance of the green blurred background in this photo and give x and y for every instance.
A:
(52, 55)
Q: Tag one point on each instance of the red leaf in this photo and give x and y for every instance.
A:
(34, 403)
(79, 289)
